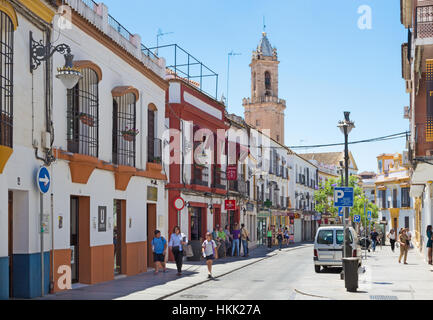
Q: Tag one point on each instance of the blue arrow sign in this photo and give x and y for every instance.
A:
(343, 197)
(43, 180)
(369, 215)
(340, 211)
(356, 218)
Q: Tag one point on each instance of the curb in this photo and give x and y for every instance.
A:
(228, 272)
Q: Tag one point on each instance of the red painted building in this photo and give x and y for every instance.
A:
(197, 125)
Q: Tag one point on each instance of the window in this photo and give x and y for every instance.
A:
(325, 237)
(406, 222)
(394, 198)
(257, 122)
(153, 143)
(124, 129)
(6, 83)
(267, 80)
(83, 115)
(340, 237)
(405, 198)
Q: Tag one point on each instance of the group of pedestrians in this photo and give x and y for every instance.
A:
(402, 240)
(230, 242)
(178, 243)
(282, 235)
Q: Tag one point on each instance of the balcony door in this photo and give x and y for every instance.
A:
(151, 133)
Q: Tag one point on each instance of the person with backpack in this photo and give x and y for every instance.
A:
(209, 252)
(159, 246)
(245, 238)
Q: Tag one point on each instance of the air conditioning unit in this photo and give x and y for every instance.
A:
(406, 112)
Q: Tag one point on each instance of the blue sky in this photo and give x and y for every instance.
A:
(328, 65)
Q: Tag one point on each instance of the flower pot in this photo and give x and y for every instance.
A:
(87, 120)
(128, 137)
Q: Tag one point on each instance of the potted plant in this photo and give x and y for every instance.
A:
(87, 119)
(157, 160)
(129, 134)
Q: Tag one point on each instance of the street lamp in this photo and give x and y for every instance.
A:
(346, 127)
(68, 74)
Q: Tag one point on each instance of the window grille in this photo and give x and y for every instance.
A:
(124, 129)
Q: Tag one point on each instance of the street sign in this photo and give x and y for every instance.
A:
(340, 211)
(356, 218)
(232, 173)
(343, 197)
(369, 215)
(179, 203)
(43, 180)
(230, 204)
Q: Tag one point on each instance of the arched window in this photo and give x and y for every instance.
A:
(153, 143)
(124, 129)
(83, 115)
(6, 79)
(267, 80)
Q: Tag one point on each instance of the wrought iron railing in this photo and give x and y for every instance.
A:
(186, 67)
(220, 179)
(154, 147)
(201, 175)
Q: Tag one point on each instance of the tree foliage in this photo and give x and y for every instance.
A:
(324, 198)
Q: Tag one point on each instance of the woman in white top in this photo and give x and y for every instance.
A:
(209, 252)
(391, 237)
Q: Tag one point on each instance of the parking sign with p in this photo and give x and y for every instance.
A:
(343, 197)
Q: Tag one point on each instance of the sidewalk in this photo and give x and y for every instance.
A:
(148, 286)
(384, 279)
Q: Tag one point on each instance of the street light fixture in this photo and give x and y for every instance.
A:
(68, 74)
(346, 127)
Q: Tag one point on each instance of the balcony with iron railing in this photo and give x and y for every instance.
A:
(424, 22)
(200, 175)
(220, 179)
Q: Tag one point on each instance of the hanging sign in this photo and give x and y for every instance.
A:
(230, 204)
(232, 173)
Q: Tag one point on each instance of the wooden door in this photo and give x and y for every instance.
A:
(117, 236)
(151, 227)
(74, 239)
(10, 241)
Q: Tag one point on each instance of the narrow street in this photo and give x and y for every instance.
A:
(291, 276)
(274, 275)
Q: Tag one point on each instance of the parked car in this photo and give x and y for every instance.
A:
(328, 247)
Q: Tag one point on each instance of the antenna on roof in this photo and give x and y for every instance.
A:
(159, 35)
(264, 25)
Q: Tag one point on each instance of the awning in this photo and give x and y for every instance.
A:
(423, 173)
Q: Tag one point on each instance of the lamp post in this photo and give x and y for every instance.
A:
(346, 127)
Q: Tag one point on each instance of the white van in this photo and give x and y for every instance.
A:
(328, 247)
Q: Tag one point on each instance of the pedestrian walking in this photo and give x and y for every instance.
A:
(286, 236)
(159, 246)
(177, 240)
(229, 239)
(280, 238)
(209, 252)
(245, 237)
(269, 236)
(222, 241)
(391, 236)
(236, 235)
(404, 244)
(429, 243)
(374, 236)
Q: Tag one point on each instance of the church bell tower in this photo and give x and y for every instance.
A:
(264, 110)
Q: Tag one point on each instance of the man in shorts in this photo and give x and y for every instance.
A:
(159, 245)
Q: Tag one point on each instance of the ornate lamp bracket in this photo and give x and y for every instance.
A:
(40, 52)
